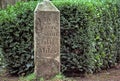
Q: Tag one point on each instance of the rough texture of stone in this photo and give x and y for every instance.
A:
(46, 40)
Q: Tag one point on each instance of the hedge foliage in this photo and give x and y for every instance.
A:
(1, 60)
(16, 27)
(90, 35)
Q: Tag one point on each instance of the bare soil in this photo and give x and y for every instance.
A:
(106, 75)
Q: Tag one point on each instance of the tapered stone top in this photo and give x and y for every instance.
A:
(46, 5)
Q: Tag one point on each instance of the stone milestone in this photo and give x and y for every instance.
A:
(46, 40)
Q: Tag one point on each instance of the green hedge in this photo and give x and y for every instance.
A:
(1, 60)
(16, 32)
(90, 36)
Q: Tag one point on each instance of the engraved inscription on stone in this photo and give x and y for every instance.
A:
(46, 40)
(48, 34)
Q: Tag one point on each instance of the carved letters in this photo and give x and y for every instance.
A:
(47, 30)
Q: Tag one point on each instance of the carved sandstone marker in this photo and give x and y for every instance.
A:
(46, 40)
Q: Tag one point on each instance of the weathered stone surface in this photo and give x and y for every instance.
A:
(48, 68)
(46, 40)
